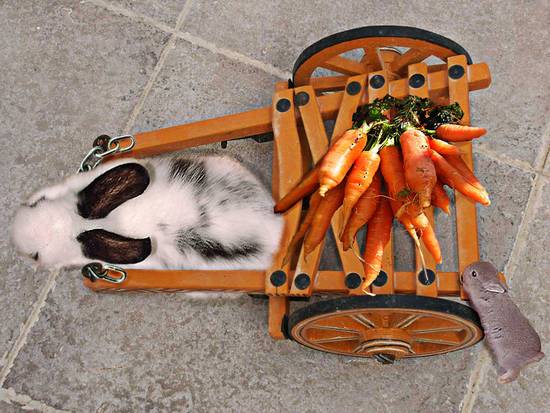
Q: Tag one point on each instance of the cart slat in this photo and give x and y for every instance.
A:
(466, 217)
(287, 172)
(387, 259)
(350, 262)
(421, 289)
(318, 144)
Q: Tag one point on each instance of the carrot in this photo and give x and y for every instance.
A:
(321, 219)
(359, 179)
(450, 176)
(391, 166)
(307, 185)
(378, 235)
(465, 171)
(431, 243)
(361, 212)
(339, 158)
(442, 147)
(420, 221)
(304, 226)
(404, 219)
(459, 133)
(440, 198)
(419, 168)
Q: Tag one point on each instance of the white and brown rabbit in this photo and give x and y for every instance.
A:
(205, 212)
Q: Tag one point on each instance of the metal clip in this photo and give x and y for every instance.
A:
(96, 271)
(98, 152)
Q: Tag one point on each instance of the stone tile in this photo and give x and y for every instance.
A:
(70, 71)
(196, 84)
(498, 223)
(172, 352)
(513, 108)
(10, 408)
(530, 289)
(165, 11)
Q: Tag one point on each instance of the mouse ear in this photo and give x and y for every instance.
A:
(495, 286)
(112, 189)
(98, 244)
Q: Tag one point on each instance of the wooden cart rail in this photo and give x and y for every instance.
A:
(258, 121)
(326, 282)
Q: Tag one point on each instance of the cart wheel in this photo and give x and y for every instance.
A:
(385, 47)
(386, 327)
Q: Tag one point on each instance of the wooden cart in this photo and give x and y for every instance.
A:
(406, 317)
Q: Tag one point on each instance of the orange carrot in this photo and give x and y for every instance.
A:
(404, 219)
(419, 168)
(420, 221)
(431, 243)
(440, 198)
(307, 185)
(362, 211)
(450, 176)
(391, 166)
(321, 219)
(442, 147)
(359, 179)
(304, 226)
(459, 133)
(465, 171)
(378, 235)
(338, 160)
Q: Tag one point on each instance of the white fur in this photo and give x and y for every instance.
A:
(51, 227)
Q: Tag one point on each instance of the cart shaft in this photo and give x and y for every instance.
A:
(258, 121)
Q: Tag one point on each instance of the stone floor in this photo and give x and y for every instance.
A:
(72, 70)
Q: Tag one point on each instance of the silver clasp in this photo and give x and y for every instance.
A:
(96, 271)
(105, 146)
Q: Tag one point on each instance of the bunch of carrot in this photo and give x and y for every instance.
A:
(392, 163)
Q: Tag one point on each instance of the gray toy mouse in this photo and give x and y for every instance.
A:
(509, 334)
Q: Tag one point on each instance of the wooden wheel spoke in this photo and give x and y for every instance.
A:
(413, 55)
(436, 341)
(343, 65)
(363, 320)
(407, 321)
(372, 59)
(333, 340)
(437, 330)
(333, 328)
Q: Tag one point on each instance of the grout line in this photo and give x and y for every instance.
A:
(476, 379)
(25, 402)
(132, 15)
(499, 157)
(544, 155)
(27, 326)
(483, 361)
(195, 40)
(158, 67)
(533, 205)
(239, 57)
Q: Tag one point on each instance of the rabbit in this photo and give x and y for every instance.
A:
(201, 212)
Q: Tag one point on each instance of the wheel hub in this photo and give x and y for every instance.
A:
(393, 342)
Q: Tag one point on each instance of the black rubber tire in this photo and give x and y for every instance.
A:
(379, 31)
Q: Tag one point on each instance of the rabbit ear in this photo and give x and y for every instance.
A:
(111, 189)
(99, 244)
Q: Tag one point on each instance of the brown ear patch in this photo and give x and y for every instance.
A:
(99, 244)
(112, 189)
